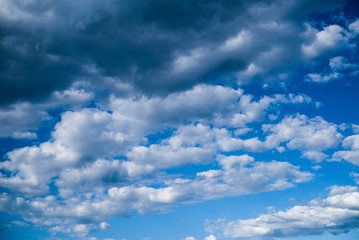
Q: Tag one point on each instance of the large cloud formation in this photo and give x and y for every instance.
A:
(48, 45)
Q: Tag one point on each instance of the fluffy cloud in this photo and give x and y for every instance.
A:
(351, 155)
(298, 132)
(336, 64)
(19, 120)
(238, 175)
(331, 38)
(336, 214)
(210, 237)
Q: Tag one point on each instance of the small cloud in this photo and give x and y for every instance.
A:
(189, 238)
(20, 224)
(210, 237)
(105, 225)
(320, 78)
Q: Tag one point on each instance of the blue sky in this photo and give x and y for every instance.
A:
(183, 120)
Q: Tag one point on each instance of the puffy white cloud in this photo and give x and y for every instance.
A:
(310, 135)
(85, 136)
(332, 37)
(238, 175)
(304, 133)
(315, 155)
(336, 214)
(351, 142)
(351, 155)
(210, 237)
(104, 225)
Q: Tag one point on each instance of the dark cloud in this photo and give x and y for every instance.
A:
(44, 45)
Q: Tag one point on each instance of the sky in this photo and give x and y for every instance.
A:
(179, 120)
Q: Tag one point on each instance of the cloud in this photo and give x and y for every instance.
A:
(189, 238)
(336, 214)
(48, 46)
(351, 155)
(310, 135)
(354, 27)
(237, 176)
(336, 64)
(316, 77)
(19, 120)
(210, 237)
(340, 63)
(331, 38)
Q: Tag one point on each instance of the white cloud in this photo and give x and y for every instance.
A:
(314, 155)
(356, 177)
(19, 119)
(351, 142)
(351, 155)
(303, 133)
(105, 225)
(332, 37)
(237, 176)
(210, 237)
(310, 135)
(317, 77)
(189, 238)
(336, 214)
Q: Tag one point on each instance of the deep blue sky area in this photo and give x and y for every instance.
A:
(179, 120)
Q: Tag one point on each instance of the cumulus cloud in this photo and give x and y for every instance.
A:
(238, 175)
(331, 38)
(20, 120)
(338, 213)
(352, 154)
(310, 135)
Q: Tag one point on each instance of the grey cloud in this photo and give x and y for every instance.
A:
(44, 45)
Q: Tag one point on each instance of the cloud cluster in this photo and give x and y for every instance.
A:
(138, 91)
(336, 214)
(311, 136)
(98, 158)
